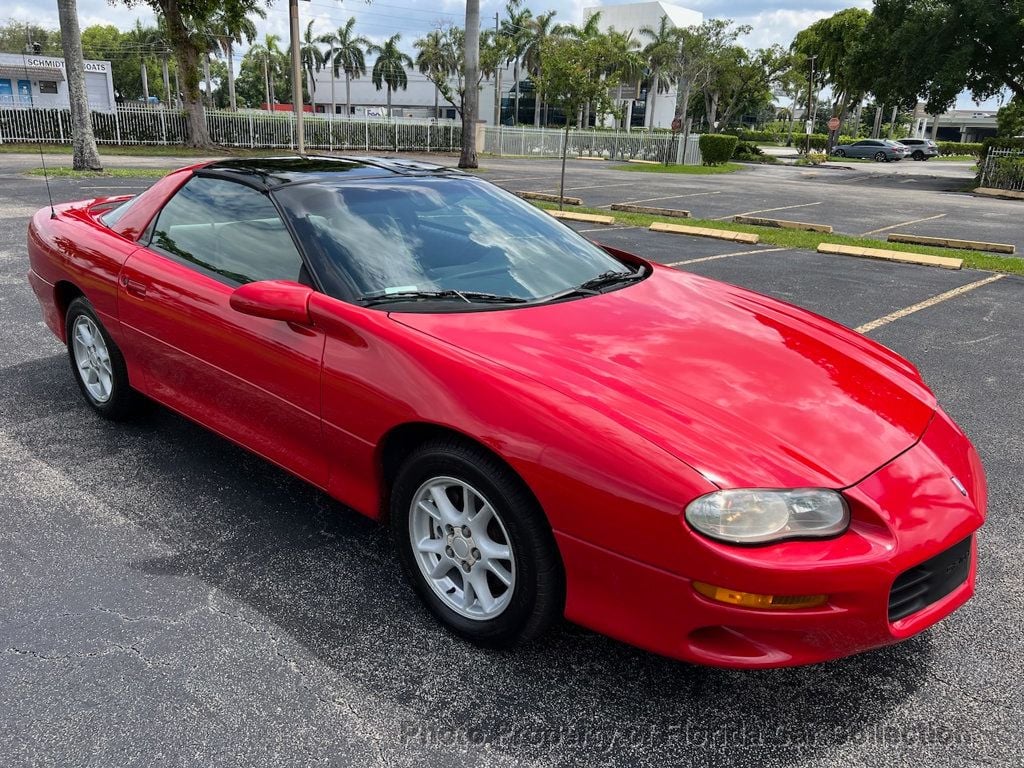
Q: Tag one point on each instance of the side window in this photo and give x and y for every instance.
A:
(227, 230)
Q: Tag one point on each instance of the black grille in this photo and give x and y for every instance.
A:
(931, 580)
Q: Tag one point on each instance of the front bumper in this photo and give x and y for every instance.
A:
(903, 514)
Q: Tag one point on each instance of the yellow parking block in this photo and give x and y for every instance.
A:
(946, 242)
(879, 253)
(590, 218)
(717, 234)
(548, 198)
(757, 221)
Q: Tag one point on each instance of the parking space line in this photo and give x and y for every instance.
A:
(901, 313)
(902, 224)
(766, 210)
(601, 186)
(724, 256)
(514, 178)
(653, 199)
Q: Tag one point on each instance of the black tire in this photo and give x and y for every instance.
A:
(880, 157)
(840, 153)
(918, 155)
(124, 402)
(538, 592)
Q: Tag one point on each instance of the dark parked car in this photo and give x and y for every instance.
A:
(882, 150)
(921, 149)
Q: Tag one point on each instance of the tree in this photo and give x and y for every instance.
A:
(229, 28)
(436, 60)
(935, 49)
(579, 71)
(85, 156)
(272, 61)
(516, 31)
(1010, 118)
(15, 35)
(836, 41)
(471, 76)
(389, 68)
(311, 59)
(660, 52)
(347, 54)
(540, 29)
(186, 23)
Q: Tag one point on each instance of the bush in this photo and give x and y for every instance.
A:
(999, 144)
(717, 148)
(1006, 173)
(947, 148)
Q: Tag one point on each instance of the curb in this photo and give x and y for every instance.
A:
(672, 212)
(717, 234)
(547, 198)
(878, 253)
(783, 224)
(945, 242)
(587, 217)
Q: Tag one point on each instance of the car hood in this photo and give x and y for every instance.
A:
(748, 390)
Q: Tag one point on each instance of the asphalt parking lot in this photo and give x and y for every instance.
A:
(168, 599)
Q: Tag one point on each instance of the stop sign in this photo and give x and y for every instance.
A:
(833, 124)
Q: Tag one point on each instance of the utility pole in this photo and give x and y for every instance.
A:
(810, 109)
(497, 79)
(300, 137)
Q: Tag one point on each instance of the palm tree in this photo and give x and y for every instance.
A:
(660, 53)
(230, 27)
(312, 59)
(629, 60)
(435, 60)
(84, 153)
(515, 29)
(347, 56)
(269, 51)
(589, 30)
(389, 68)
(541, 28)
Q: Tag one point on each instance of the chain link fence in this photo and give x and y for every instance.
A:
(1003, 169)
(130, 124)
(610, 145)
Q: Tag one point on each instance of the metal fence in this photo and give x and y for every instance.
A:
(1003, 169)
(611, 145)
(130, 124)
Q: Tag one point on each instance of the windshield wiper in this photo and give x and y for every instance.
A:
(470, 297)
(592, 286)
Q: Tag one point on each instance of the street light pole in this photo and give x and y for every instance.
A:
(300, 137)
(810, 108)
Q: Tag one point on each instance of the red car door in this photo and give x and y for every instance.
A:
(253, 380)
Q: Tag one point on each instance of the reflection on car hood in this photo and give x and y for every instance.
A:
(748, 390)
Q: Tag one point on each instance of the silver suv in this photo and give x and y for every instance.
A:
(921, 149)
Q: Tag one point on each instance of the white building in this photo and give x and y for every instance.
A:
(39, 81)
(632, 17)
(418, 99)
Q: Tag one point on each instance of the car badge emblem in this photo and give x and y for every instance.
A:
(959, 485)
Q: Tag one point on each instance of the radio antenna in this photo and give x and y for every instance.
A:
(31, 104)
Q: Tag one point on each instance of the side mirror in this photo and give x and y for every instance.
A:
(274, 300)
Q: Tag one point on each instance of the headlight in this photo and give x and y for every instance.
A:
(757, 516)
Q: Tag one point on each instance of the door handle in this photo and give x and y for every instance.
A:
(134, 287)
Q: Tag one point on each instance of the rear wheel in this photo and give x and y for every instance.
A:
(477, 548)
(880, 157)
(98, 365)
(918, 155)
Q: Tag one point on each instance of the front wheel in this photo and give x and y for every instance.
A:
(98, 365)
(477, 548)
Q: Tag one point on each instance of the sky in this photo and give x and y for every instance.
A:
(772, 22)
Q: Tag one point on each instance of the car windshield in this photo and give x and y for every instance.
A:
(455, 239)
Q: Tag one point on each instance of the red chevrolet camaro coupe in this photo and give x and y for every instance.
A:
(551, 427)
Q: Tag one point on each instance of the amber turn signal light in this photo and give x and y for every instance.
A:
(751, 600)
